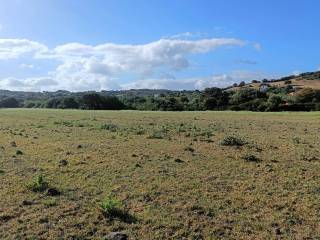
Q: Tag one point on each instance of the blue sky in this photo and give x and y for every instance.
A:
(176, 44)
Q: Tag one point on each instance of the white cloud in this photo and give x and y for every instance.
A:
(29, 84)
(28, 66)
(86, 67)
(15, 48)
(296, 72)
(246, 61)
(222, 80)
(186, 35)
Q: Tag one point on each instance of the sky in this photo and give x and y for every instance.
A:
(77, 45)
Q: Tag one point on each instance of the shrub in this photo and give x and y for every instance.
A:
(38, 184)
(232, 141)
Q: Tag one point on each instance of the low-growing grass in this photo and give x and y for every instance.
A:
(170, 176)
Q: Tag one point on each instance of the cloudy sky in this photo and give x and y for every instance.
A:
(79, 45)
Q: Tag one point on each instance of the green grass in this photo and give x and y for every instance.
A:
(182, 185)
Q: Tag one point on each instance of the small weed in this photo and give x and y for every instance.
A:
(110, 127)
(189, 149)
(19, 152)
(112, 208)
(50, 203)
(38, 184)
(155, 135)
(251, 158)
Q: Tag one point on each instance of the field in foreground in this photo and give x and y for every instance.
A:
(175, 175)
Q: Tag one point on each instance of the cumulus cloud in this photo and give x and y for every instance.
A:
(87, 67)
(142, 59)
(186, 35)
(15, 48)
(28, 84)
(246, 61)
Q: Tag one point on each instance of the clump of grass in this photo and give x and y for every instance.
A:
(19, 152)
(110, 127)
(251, 158)
(38, 184)
(232, 141)
(140, 132)
(155, 135)
(50, 203)
(189, 149)
(112, 208)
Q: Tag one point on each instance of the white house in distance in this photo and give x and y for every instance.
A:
(264, 88)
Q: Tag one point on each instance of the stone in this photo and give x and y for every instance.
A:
(53, 192)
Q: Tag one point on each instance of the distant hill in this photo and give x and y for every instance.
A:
(298, 82)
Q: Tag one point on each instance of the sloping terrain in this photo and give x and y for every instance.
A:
(304, 80)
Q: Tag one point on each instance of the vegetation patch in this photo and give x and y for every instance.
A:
(232, 141)
(38, 184)
(251, 158)
(112, 208)
(110, 127)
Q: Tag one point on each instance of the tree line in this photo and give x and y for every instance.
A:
(249, 99)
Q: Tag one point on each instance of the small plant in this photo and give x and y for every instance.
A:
(110, 127)
(188, 148)
(110, 207)
(38, 184)
(251, 158)
(50, 203)
(19, 152)
(232, 141)
(155, 135)
(140, 132)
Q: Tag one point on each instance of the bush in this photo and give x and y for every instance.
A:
(274, 102)
(232, 141)
(9, 103)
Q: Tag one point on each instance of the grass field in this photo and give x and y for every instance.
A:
(170, 175)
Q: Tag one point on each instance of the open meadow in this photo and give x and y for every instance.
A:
(72, 174)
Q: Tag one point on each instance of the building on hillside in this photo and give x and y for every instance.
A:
(264, 88)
